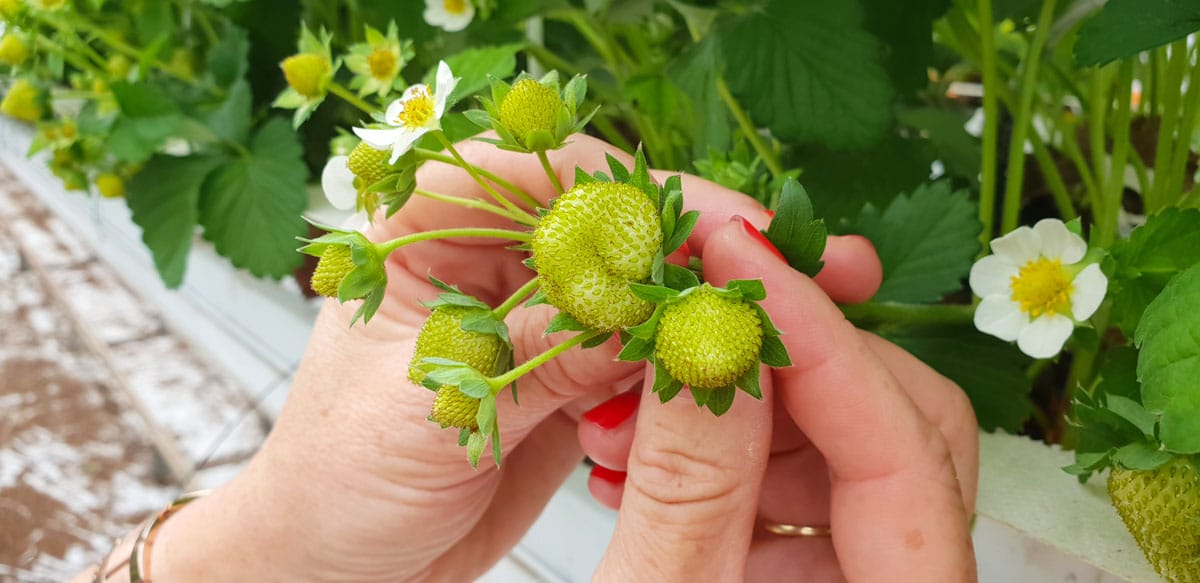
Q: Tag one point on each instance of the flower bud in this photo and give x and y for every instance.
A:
(307, 73)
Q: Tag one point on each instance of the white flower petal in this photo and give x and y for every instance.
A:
(379, 139)
(437, 15)
(358, 221)
(1018, 247)
(1001, 317)
(445, 84)
(1089, 288)
(338, 183)
(992, 275)
(1045, 336)
(405, 141)
(1058, 242)
(396, 107)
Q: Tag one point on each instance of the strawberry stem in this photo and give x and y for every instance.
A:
(474, 172)
(506, 185)
(389, 246)
(498, 383)
(558, 187)
(473, 203)
(350, 98)
(515, 299)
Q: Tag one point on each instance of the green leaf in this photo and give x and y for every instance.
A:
(1124, 28)
(652, 293)
(960, 153)
(1169, 362)
(230, 119)
(906, 31)
(163, 198)
(1166, 244)
(148, 117)
(228, 58)
(596, 340)
(636, 349)
(251, 206)
(474, 66)
(795, 233)
(809, 72)
(1142, 455)
(841, 183)
(695, 71)
(679, 278)
(1118, 374)
(991, 372)
(926, 243)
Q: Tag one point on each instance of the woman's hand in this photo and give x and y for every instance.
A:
(355, 485)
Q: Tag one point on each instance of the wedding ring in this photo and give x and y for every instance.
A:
(782, 529)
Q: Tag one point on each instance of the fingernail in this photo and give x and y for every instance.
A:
(614, 411)
(610, 476)
(757, 235)
(770, 213)
(687, 251)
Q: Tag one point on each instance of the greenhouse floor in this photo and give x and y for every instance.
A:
(107, 415)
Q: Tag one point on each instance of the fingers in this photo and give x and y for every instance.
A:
(690, 497)
(896, 507)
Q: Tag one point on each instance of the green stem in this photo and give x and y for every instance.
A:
(874, 313)
(1070, 147)
(528, 366)
(558, 187)
(1173, 185)
(1139, 168)
(345, 94)
(1015, 174)
(1176, 65)
(68, 56)
(991, 122)
(506, 185)
(1054, 179)
(1098, 106)
(474, 172)
(1106, 223)
(387, 247)
(748, 128)
(516, 298)
(473, 203)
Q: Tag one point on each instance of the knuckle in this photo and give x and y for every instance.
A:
(682, 483)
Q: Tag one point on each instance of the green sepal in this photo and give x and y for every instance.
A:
(530, 263)
(750, 289)
(496, 450)
(480, 118)
(484, 321)
(636, 349)
(774, 353)
(700, 396)
(367, 281)
(646, 329)
(538, 298)
(582, 177)
(475, 445)
(795, 232)
(652, 293)
(749, 383)
(658, 268)
(683, 228)
(679, 278)
(563, 321)
(486, 417)
(720, 400)
(619, 172)
(443, 371)
(463, 434)
(596, 341)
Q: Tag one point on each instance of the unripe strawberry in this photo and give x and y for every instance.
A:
(307, 73)
(333, 267)
(599, 237)
(12, 50)
(9, 8)
(368, 164)
(528, 107)
(21, 102)
(442, 336)
(1161, 509)
(110, 185)
(119, 66)
(452, 408)
(708, 341)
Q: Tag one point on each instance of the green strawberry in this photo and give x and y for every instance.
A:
(598, 237)
(307, 73)
(442, 336)
(530, 107)
(333, 267)
(1161, 508)
(452, 408)
(368, 164)
(708, 341)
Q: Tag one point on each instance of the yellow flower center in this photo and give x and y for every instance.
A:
(1042, 286)
(455, 6)
(382, 62)
(418, 110)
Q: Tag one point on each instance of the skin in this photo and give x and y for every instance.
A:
(354, 484)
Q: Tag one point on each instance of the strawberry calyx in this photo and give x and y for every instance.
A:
(362, 278)
(533, 115)
(708, 338)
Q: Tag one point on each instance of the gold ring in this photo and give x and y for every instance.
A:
(782, 529)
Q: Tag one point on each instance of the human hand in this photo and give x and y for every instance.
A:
(353, 483)
(863, 437)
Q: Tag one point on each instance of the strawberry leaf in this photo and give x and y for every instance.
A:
(720, 400)
(795, 232)
(1169, 362)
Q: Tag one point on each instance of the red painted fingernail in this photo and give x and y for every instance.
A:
(770, 213)
(610, 476)
(614, 411)
(757, 235)
(687, 251)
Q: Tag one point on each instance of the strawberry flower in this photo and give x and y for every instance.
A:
(449, 15)
(418, 112)
(338, 183)
(1036, 286)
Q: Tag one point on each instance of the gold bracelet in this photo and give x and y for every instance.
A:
(139, 567)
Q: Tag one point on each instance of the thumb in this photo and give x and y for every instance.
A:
(691, 495)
